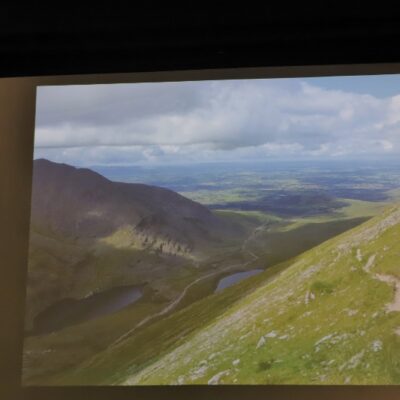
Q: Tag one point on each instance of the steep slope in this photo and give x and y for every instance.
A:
(89, 234)
(332, 317)
(79, 203)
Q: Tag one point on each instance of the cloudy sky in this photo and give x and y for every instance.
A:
(180, 122)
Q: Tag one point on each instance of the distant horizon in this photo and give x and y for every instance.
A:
(390, 160)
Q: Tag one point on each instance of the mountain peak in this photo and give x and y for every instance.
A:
(44, 165)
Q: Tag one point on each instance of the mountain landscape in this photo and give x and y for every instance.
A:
(79, 217)
(215, 232)
(135, 284)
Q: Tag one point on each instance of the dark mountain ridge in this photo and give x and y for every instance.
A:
(80, 203)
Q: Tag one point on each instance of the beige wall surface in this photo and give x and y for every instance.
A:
(17, 112)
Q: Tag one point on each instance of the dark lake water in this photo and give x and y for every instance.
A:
(69, 312)
(235, 278)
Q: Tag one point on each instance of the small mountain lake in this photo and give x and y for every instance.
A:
(235, 278)
(67, 312)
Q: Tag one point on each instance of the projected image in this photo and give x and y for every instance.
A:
(216, 232)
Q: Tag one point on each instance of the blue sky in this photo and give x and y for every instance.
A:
(206, 121)
(379, 86)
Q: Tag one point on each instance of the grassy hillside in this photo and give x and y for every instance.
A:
(50, 358)
(332, 317)
(53, 355)
(110, 365)
(178, 300)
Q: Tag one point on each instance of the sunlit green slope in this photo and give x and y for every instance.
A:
(332, 317)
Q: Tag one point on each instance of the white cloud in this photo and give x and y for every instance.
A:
(220, 120)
